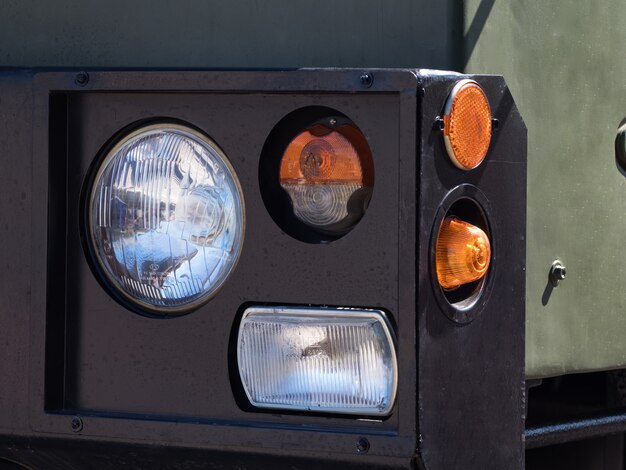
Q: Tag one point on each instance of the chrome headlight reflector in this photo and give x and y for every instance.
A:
(318, 359)
(165, 218)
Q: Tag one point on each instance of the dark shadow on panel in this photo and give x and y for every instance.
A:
(476, 28)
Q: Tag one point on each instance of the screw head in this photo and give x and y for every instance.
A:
(362, 445)
(560, 272)
(82, 78)
(366, 80)
(77, 424)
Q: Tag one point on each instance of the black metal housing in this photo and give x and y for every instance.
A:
(84, 377)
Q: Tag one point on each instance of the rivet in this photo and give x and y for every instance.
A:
(77, 424)
(366, 80)
(82, 78)
(362, 446)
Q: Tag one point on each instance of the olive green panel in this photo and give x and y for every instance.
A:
(227, 33)
(565, 63)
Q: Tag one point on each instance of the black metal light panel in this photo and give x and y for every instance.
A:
(87, 383)
(471, 361)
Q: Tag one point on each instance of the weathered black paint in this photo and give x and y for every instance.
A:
(135, 381)
(470, 380)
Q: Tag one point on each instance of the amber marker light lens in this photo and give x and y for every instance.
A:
(463, 253)
(328, 174)
(467, 125)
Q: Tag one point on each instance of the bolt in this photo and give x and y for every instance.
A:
(557, 273)
(439, 124)
(77, 424)
(332, 122)
(495, 124)
(366, 80)
(620, 145)
(82, 78)
(362, 446)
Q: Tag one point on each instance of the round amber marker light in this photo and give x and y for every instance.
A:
(463, 253)
(467, 125)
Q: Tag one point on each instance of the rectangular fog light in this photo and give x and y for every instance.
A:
(318, 359)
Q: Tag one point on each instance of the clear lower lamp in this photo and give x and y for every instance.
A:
(323, 360)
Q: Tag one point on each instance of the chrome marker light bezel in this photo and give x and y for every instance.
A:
(447, 116)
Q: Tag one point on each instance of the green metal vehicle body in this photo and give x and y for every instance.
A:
(567, 68)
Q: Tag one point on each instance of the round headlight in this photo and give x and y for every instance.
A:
(165, 218)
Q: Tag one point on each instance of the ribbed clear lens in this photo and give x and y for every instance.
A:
(321, 205)
(322, 360)
(166, 218)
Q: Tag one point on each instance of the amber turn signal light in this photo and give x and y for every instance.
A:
(323, 156)
(328, 175)
(463, 253)
(467, 125)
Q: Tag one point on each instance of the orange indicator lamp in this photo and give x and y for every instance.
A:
(320, 155)
(463, 253)
(328, 174)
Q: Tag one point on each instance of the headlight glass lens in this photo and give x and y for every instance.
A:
(166, 218)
